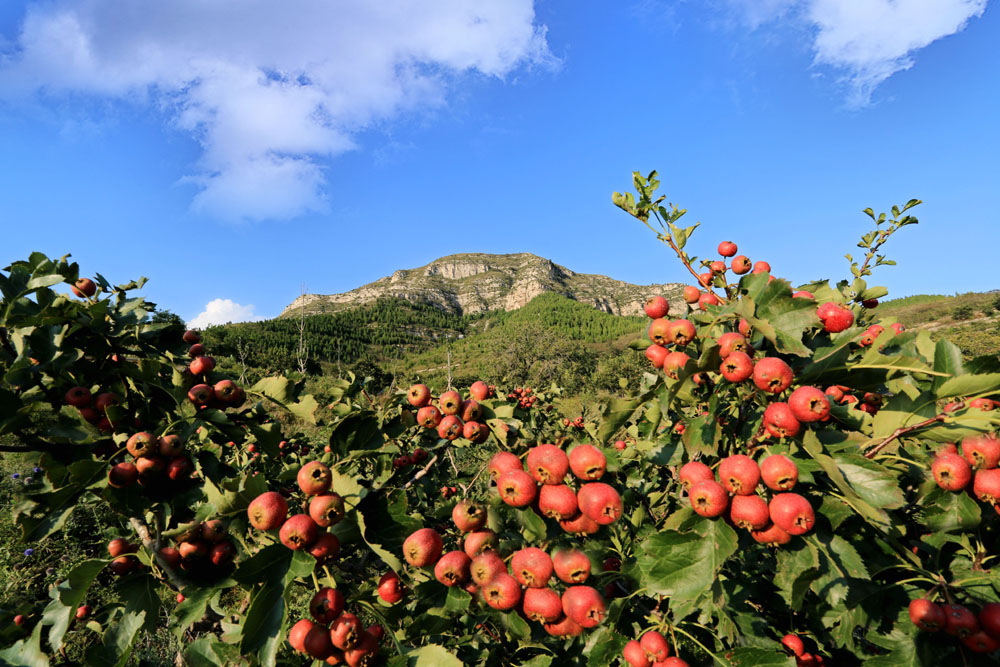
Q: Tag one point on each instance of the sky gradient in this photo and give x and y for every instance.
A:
(233, 157)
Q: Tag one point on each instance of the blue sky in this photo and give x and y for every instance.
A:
(233, 156)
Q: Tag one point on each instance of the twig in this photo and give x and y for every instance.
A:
(451, 457)
(466, 487)
(421, 472)
(901, 431)
(154, 547)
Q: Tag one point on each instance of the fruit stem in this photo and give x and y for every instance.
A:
(667, 238)
(703, 647)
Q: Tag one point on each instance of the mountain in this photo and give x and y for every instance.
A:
(470, 283)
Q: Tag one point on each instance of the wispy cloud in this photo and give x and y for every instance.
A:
(269, 89)
(866, 41)
(222, 311)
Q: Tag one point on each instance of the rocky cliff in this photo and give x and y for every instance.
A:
(474, 282)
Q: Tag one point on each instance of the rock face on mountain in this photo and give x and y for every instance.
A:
(474, 282)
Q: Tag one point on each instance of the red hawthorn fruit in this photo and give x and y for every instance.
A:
(656, 307)
(870, 303)
(792, 513)
(202, 365)
(658, 331)
(517, 488)
(779, 472)
(390, 587)
(802, 294)
(542, 604)
(548, 464)
(587, 462)
(951, 472)
(485, 566)
(673, 662)
(298, 532)
(780, 421)
(450, 402)
(326, 546)
(772, 375)
(571, 566)
(835, 318)
(897, 327)
(981, 642)
(450, 427)
(345, 631)
(959, 621)
(429, 416)
(196, 350)
(739, 474)
(794, 644)
(222, 554)
(78, 397)
(503, 462)
(83, 611)
(84, 287)
(693, 472)
(267, 511)
(737, 367)
(681, 332)
(418, 395)
(708, 299)
(989, 619)
(468, 516)
(190, 337)
(981, 451)
(708, 498)
(740, 265)
(179, 468)
(871, 333)
(123, 474)
(123, 565)
(579, 524)
(620, 445)
(705, 279)
(564, 627)
(452, 568)
(479, 390)
(761, 267)
(503, 592)
(170, 445)
(634, 655)
(600, 502)
(422, 547)
(532, 567)
(927, 615)
(376, 631)
(732, 342)
(835, 392)
(773, 536)
(475, 432)
(984, 404)
(201, 394)
(809, 404)
(170, 556)
(557, 501)
(656, 354)
(584, 606)
(226, 391)
(180, 598)
(691, 294)
(750, 512)
(314, 478)
(326, 605)
(986, 485)
(117, 547)
(363, 652)
(673, 363)
(297, 634)
(727, 248)
(326, 509)
(142, 444)
(193, 550)
(479, 541)
(655, 645)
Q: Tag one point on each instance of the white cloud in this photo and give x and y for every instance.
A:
(268, 88)
(867, 40)
(222, 311)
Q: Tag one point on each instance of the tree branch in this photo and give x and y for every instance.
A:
(901, 431)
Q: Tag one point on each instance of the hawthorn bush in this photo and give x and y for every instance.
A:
(794, 482)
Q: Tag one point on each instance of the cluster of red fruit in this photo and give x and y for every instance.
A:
(650, 650)
(773, 523)
(452, 417)
(481, 571)
(97, 410)
(269, 511)
(715, 275)
(202, 547)
(524, 396)
(797, 648)
(334, 635)
(419, 455)
(867, 402)
(575, 423)
(979, 634)
(593, 505)
(123, 562)
(953, 471)
(156, 460)
(223, 394)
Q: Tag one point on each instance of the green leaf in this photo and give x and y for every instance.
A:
(67, 597)
(261, 632)
(871, 481)
(969, 385)
(796, 569)
(201, 653)
(875, 516)
(384, 522)
(532, 525)
(684, 565)
(948, 358)
(117, 641)
(139, 593)
(617, 412)
(26, 651)
(947, 512)
(38, 282)
(746, 656)
(432, 656)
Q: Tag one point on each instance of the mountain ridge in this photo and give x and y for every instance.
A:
(470, 283)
